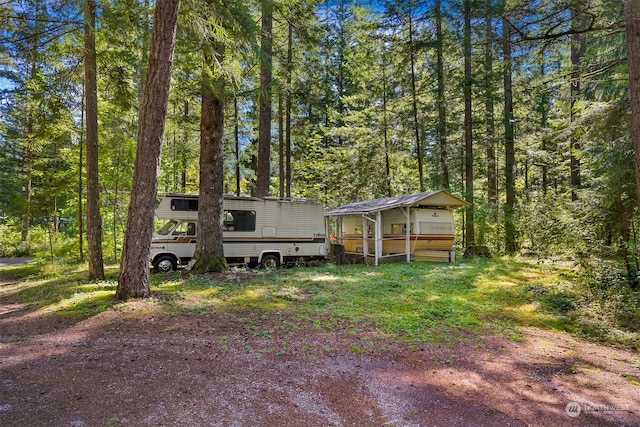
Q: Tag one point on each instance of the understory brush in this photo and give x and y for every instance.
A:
(42, 244)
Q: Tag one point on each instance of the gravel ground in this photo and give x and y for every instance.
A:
(133, 366)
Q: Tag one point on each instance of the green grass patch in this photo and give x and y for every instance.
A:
(633, 380)
(413, 302)
(59, 289)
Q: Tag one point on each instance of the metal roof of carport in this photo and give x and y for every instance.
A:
(438, 198)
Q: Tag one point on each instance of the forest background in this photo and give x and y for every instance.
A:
(521, 107)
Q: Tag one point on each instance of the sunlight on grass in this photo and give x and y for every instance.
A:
(171, 287)
(326, 278)
(528, 308)
(412, 302)
(83, 303)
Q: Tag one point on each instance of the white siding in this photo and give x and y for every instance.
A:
(439, 216)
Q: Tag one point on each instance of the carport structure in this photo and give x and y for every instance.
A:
(418, 226)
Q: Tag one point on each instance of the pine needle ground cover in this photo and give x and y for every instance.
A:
(408, 302)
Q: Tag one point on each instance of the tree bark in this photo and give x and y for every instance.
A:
(236, 135)
(209, 253)
(414, 96)
(509, 209)
(80, 183)
(468, 126)
(94, 219)
(442, 103)
(578, 47)
(264, 131)
(544, 119)
(632, 18)
(144, 52)
(385, 125)
(288, 110)
(134, 269)
(27, 168)
(281, 172)
(492, 181)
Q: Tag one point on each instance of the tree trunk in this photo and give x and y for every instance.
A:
(544, 119)
(264, 131)
(341, 47)
(578, 47)
(182, 154)
(209, 253)
(442, 103)
(281, 173)
(134, 269)
(144, 52)
(27, 168)
(236, 135)
(468, 125)
(28, 149)
(509, 209)
(385, 125)
(288, 110)
(632, 18)
(414, 96)
(80, 182)
(492, 180)
(94, 219)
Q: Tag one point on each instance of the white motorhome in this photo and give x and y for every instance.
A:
(268, 232)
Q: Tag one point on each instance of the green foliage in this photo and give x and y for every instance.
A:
(348, 61)
(10, 242)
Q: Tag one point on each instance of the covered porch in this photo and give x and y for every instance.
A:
(403, 228)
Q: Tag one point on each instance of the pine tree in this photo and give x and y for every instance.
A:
(94, 219)
(209, 255)
(264, 100)
(134, 268)
(632, 19)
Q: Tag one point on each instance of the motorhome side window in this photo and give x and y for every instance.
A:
(239, 220)
(167, 227)
(185, 229)
(184, 204)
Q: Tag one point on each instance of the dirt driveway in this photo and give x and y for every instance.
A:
(132, 366)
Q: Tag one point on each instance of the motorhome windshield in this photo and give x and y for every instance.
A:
(166, 229)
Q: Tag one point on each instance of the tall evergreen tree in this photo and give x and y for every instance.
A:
(414, 99)
(508, 120)
(490, 131)
(578, 47)
(133, 280)
(264, 99)
(37, 89)
(94, 219)
(632, 19)
(468, 127)
(441, 98)
(209, 255)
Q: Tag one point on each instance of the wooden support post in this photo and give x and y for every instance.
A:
(365, 238)
(407, 214)
(378, 236)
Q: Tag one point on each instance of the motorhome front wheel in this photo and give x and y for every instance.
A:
(164, 264)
